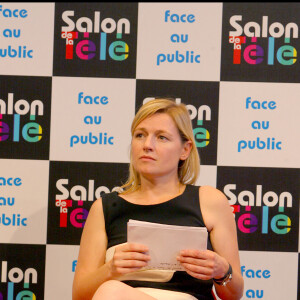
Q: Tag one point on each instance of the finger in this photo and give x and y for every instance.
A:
(131, 264)
(190, 260)
(198, 269)
(131, 256)
(196, 261)
(201, 254)
(134, 247)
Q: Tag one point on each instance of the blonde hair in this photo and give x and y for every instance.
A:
(188, 169)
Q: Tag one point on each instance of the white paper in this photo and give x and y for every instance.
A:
(166, 241)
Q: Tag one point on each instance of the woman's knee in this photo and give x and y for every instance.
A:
(111, 289)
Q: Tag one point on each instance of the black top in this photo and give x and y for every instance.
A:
(183, 210)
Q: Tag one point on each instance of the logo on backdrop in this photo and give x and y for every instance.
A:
(74, 186)
(202, 100)
(269, 143)
(266, 212)
(261, 274)
(188, 56)
(12, 33)
(24, 279)
(97, 41)
(99, 139)
(260, 43)
(8, 219)
(102, 138)
(24, 117)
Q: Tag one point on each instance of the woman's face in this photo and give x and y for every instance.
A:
(156, 147)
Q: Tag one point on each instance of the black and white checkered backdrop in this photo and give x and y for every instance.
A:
(72, 76)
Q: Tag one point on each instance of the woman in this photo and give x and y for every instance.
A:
(164, 164)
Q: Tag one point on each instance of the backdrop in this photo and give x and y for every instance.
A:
(72, 76)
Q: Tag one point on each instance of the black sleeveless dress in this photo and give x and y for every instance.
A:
(183, 210)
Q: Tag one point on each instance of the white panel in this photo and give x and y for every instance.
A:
(174, 41)
(26, 39)
(112, 111)
(60, 267)
(258, 125)
(23, 201)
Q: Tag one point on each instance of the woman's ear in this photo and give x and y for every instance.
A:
(186, 150)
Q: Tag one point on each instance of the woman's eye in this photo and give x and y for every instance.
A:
(161, 137)
(138, 135)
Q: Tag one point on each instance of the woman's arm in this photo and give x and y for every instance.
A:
(217, 213)
(220, 222)
(91, 270)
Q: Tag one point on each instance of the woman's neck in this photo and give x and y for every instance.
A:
(156, 192)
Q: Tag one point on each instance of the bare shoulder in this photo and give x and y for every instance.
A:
(97, 204)
(212, 196)
(95, 215)
(214, 205)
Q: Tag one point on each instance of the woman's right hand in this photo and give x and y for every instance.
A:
(128, 257)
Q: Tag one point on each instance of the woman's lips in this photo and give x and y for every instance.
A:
(145, 157)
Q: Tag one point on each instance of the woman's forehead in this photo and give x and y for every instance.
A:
(157, 121)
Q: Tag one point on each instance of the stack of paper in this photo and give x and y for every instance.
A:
(166, 241)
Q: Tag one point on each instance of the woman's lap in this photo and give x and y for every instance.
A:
(118, 290)
(160, 294)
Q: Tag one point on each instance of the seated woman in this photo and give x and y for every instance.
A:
(164, 165)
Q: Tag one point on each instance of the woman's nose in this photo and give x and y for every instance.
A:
(148, 143)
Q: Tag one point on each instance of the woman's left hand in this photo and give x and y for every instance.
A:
(203, 264)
